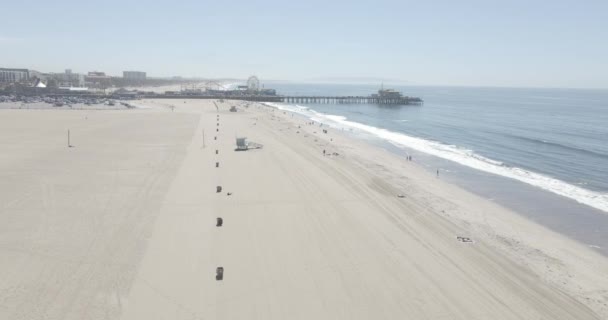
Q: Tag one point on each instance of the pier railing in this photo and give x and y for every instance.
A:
(352, 100)
(302, 99)
(403, 100)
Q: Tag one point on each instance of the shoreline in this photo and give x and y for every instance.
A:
(123, 225)
(560, 213)
(496, 230)
(592, 198)
(563, 215)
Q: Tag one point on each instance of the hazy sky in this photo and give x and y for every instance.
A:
(492, 43)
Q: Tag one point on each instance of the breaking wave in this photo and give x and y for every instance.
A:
(459, 155)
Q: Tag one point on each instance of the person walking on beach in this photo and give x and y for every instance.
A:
(437, 173)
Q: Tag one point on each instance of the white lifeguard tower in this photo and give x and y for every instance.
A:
(243, 144)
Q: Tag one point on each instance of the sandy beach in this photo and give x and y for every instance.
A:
(122, 225)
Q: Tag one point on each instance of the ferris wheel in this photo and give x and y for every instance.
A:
(253, 83)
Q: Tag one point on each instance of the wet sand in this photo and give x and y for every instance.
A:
(123, 226)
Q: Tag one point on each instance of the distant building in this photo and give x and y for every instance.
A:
(37, 75)
(134, 75)
(67, 79)
(97, 79)
(388, 94)
(14, 75)
(96, 74)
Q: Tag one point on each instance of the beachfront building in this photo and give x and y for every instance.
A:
(388, 94)
(37, 75)
(137, 76)
(97, 79)
(67, 79)
(8, 75)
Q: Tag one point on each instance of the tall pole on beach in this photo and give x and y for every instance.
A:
(203, 138)
(69, 145)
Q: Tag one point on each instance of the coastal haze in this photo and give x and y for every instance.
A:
(472, 43)
(309, 160)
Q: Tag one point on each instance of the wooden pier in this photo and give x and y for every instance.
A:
(374, 99)
(301, 99)
(256, 98)
(353, 100)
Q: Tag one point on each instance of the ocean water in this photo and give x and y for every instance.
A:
(549, 140)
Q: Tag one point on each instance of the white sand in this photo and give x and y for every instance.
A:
(123, 226)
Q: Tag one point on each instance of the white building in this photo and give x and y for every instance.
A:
(134, 75)
(14, 75)
(68, 79)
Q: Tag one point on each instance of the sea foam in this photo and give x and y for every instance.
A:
(459, 155)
